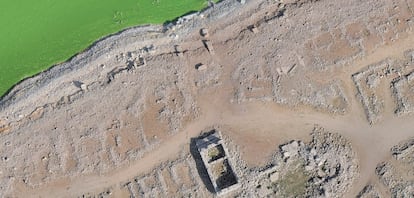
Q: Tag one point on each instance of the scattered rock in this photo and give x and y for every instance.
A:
(368, 191)
(204, 32)
(201, 67)
(209, 46)
(254, 29)
(291, 149)
(299, 172)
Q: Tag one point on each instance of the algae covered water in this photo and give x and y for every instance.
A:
(34, 35)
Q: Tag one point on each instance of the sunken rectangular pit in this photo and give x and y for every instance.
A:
(223, 174)
(215, 153)
(217, 163)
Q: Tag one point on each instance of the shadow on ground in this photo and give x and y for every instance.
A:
(201, 169)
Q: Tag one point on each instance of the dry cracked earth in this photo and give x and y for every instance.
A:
(313, 99)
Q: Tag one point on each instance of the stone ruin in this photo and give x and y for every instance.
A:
(214, 155)
(324, 167)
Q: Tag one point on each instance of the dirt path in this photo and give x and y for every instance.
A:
(257, 127)
(277, 127)
(260, 127)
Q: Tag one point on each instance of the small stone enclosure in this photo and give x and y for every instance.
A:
(215, 158)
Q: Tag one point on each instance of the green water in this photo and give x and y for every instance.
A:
(34, 35)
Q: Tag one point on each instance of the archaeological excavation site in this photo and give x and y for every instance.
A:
(245, 98)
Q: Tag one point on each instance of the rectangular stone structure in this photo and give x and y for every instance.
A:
(217, 163)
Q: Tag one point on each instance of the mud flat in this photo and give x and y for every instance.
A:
(309, 100)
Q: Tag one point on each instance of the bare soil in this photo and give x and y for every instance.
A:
(118, 119)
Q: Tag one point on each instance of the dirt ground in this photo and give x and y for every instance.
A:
(118, 119)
